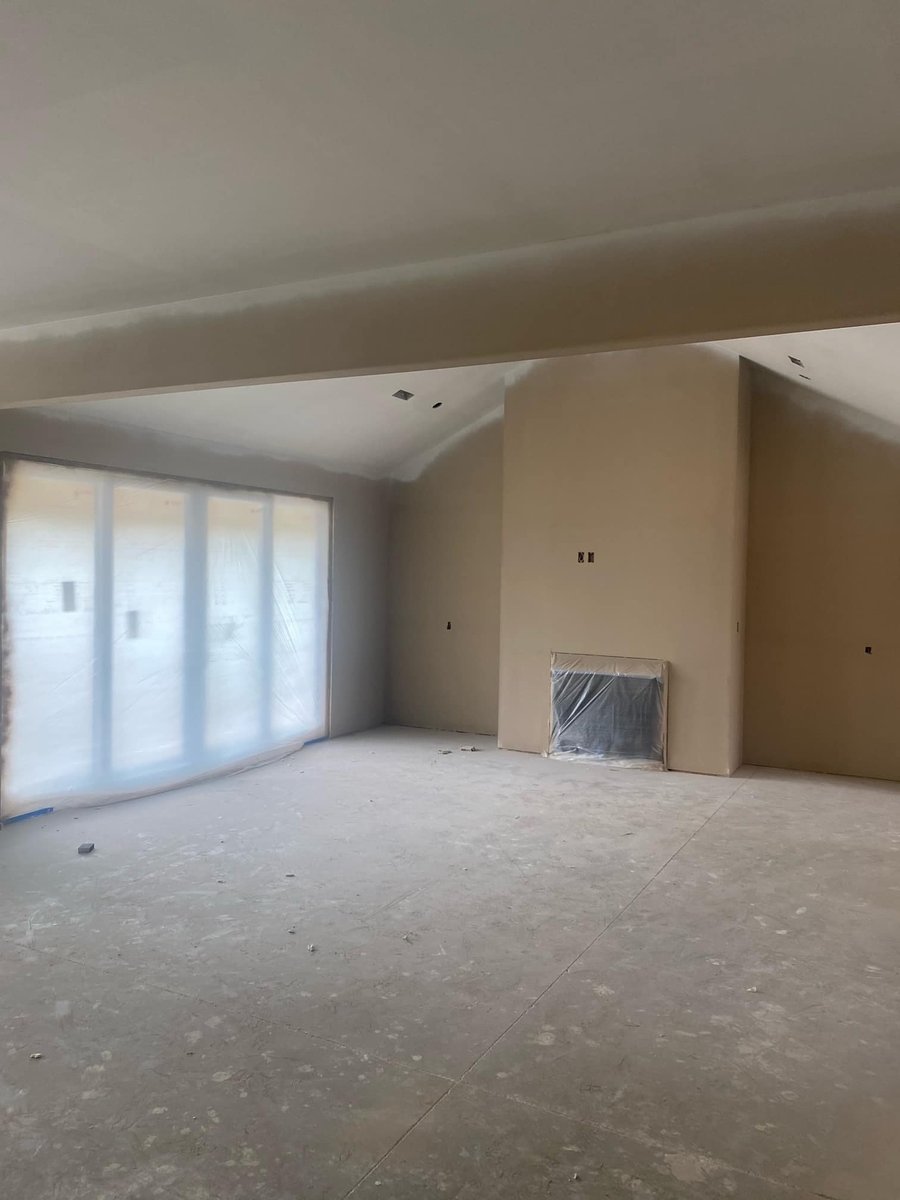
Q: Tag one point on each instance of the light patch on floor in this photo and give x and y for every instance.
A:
(531, 979)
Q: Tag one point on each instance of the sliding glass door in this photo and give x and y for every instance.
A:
(236, 603)
(155, 630)
(146, 630)
(48, 657)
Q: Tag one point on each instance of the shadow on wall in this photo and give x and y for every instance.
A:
(823, 585)
(444, 635)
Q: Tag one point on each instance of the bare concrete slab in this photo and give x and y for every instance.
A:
(528, 978)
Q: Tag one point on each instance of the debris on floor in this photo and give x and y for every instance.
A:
(290, 875)
(35, 1056)
(446, 752)
(471, 749)
(443, 1002)
(86, 848)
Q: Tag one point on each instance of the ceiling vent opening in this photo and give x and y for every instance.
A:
(400, 394)
(795, 361)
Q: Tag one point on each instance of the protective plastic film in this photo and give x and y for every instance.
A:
(611, 710)
(154, 632)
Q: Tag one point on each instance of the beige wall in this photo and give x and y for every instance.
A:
(639, 456)
(823, 583)
(359, 552)
(445, 567)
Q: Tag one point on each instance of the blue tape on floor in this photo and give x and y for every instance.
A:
(38, 812)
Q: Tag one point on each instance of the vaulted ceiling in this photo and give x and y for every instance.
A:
(358, 424)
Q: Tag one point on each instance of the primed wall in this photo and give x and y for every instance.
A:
(445, 566)
(641, 457)
(360, 533)
(823, 583)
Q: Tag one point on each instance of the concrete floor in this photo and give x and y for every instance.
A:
(530, 979)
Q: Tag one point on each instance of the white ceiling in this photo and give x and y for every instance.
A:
(353, 425)
(155, 150)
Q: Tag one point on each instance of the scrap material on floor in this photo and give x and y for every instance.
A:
(380, 969)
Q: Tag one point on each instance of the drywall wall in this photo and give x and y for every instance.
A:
(360, 532)
(823, 583)
(640, 457)
(445, 570)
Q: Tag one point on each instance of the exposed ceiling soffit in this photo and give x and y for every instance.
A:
(812, 265)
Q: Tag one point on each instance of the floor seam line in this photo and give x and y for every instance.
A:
(403, 1136)
(462, 1079)
(604, 930)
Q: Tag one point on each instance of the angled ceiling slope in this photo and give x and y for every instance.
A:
(356, 425)
(359, 425)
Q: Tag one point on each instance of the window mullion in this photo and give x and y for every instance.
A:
(103, 630)
(266, 620)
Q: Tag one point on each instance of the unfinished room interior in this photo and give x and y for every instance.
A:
(450, 583)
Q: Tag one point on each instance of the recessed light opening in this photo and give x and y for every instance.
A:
(401, 394)
(438, 405)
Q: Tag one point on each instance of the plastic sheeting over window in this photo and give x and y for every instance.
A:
(155, 631)
(608, 709)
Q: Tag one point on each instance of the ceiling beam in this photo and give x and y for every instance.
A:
(807, 266)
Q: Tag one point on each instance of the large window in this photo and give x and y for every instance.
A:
(154, 630)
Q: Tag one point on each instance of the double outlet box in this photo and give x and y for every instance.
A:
(585, 556)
